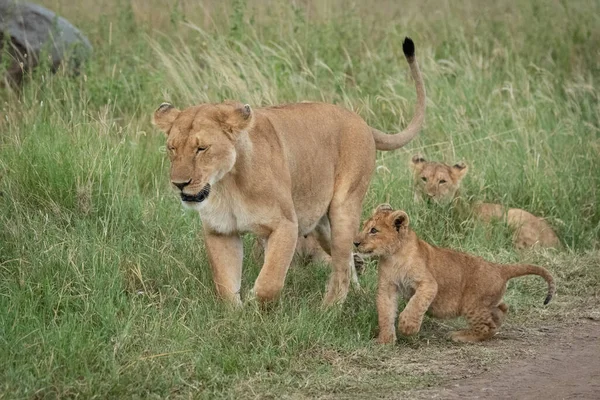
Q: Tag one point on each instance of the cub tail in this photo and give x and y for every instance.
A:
(384, 141)
(516, 270)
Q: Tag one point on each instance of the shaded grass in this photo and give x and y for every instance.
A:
(104, 285)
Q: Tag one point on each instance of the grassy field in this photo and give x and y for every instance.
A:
(104, 285)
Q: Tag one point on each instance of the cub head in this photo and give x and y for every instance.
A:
(201, 144)
(436, 181)
(384, 233)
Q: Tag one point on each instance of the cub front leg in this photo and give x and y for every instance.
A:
(281, 245)
(225, 255)
(411, 318)
(387, 307)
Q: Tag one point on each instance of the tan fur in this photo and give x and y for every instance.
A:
(443, 282)
(441, 183)
(308, 250)
(277, 172)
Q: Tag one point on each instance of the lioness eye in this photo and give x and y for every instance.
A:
(424, 179)
(442, 181)
(200, 149)
(373, 231)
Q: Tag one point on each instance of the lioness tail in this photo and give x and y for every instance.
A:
(384, 141)
(516, 270)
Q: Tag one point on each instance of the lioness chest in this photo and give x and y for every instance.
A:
(227, 212)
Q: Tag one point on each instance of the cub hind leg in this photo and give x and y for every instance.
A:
(482, 325)
(499, 313)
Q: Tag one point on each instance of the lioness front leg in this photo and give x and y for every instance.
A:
(281, 245)
(387, 307)
(411, 318)
(225, 255)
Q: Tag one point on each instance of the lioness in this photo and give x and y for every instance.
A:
(441, 182)
(277, 172)
(445, 282)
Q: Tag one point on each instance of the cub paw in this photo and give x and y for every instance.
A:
(408, 326)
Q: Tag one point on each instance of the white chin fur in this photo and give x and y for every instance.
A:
(193, 206)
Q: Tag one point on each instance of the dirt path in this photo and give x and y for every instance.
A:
(565, 365)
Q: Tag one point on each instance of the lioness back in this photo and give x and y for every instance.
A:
(319, 141)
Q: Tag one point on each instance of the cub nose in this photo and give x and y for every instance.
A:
(356, 244)
(181, 185)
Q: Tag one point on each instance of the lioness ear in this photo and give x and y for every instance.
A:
(164, 116)
(382, 207)
(417, 161)
(459, 170)
(399, 219)
(238, 119)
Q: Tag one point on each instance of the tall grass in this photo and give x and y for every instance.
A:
(104, 284)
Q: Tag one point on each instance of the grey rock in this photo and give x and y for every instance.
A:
(30, 29)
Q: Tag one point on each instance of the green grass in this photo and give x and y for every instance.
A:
(104, 285)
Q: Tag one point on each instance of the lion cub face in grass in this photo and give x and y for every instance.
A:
(443, 282)
(441, 182)
(436, 181)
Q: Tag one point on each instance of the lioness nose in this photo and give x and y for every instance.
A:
(357, 244)
(181, 185)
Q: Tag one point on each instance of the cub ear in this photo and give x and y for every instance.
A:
(382, 207)
(417, 161)
(399, 219)
(459, 170)
(238, 118)
(164, 116)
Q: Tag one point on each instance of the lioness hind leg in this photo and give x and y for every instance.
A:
(344, 218)
(323, 235)
(481, 326)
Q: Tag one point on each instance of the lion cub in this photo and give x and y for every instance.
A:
(441, 182)
(445, 282)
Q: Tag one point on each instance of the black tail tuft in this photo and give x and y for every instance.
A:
(548, 298)
(408, 47)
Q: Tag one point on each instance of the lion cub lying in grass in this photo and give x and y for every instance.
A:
(441, 182)
(445, 282)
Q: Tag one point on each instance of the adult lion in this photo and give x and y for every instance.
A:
(277, 172)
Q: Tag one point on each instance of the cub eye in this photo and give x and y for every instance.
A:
(170, 148)
(424, 179)
(373, 231)
(200, 150)
(442, 181)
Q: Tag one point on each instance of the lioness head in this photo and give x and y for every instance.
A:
(436, 181)
(383, 233)
(201, 144)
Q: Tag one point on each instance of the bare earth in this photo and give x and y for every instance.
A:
(565, 364)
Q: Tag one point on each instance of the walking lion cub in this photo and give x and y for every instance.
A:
(445, 282)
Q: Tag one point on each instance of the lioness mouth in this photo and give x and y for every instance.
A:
(198, 197)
